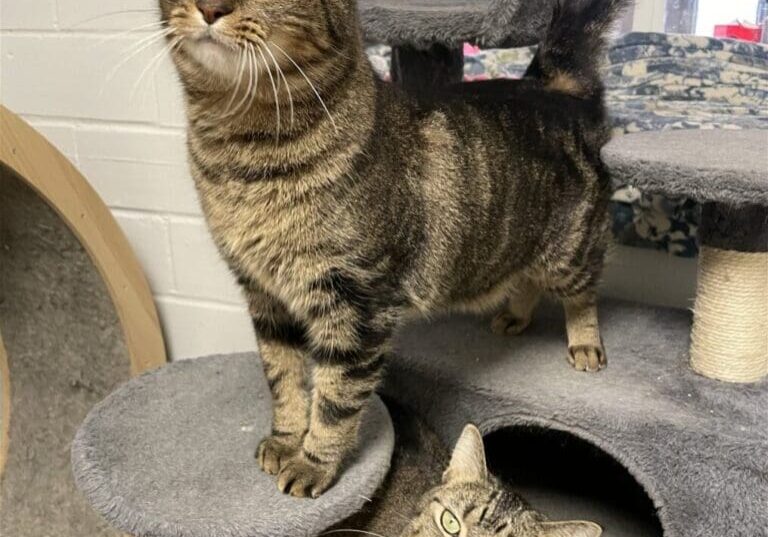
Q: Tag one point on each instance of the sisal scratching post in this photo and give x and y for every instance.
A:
(726, 171)
(729, 340)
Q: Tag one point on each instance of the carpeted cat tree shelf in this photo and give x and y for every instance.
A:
(427, 36)
(171, 454)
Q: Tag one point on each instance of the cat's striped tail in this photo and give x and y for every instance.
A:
(568, 59)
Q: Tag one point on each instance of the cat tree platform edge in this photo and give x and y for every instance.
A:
(699, 447)
(171, 454)
(451, 22)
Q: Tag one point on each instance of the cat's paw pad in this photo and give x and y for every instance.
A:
(589, 358)
(275, 451)
(306, 477)
(506, 323)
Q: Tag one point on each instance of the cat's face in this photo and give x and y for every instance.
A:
(472, 503)
(219, 34)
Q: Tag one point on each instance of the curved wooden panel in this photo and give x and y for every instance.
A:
(62, 186)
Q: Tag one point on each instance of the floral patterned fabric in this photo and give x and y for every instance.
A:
(655, 82)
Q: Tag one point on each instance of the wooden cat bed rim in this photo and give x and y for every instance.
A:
(63, 187)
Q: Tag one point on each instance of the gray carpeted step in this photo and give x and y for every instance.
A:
(171, 454)
(698, 446)
(721, 166)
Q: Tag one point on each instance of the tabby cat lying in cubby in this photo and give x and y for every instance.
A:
(467, 501)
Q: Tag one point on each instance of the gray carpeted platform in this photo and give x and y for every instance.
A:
(65, 351)
(171, 454)
(452, 22)
(728, 166)
(698, 446)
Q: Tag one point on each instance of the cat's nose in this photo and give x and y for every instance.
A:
(213, 10)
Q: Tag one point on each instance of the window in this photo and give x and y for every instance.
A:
(694, 16)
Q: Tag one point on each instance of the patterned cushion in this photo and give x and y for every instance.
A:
(656, 82)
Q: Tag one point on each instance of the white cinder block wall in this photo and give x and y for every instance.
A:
(124, 129)
(128, 140)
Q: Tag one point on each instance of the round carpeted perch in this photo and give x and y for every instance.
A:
(171, 454)
(727, 171)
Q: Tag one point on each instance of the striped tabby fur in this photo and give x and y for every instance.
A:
(343, 206)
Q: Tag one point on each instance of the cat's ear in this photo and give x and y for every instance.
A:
(571, 528)
(468, 459)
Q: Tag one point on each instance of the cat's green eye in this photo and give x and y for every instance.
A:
(450, 523)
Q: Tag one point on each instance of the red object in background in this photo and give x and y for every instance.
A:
(739, 30)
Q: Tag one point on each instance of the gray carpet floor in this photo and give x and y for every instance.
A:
(65, 353)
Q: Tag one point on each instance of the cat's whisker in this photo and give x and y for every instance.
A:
(151, 25)
(247, 60)
(331, 532)
(311, 85)
(398, 513)
(153, 64)
(111, 14)
(154, 36)
(255, 61)
(274, 91)
(281, 74)
(147, 43)
(239, 77)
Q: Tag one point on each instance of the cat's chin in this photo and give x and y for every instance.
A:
(214, 56)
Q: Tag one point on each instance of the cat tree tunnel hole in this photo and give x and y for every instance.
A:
(568, 477)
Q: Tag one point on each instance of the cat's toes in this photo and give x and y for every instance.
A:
(305, 478)
(274, 451)
(506, 323)
(589, 358)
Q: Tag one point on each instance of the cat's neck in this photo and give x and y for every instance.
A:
(335, 97)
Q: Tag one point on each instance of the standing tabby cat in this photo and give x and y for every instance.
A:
(343, 205)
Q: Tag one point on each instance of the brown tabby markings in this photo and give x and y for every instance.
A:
(413, 496)
(342, 216)
(473, 502)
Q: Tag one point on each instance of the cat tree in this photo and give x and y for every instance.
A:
(698, 446)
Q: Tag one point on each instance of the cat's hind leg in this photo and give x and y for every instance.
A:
(585, 346)
(518, 310)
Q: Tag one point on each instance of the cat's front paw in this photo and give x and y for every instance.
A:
(589, 358)
(276, 450)
(306, 476)
(506, 323)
